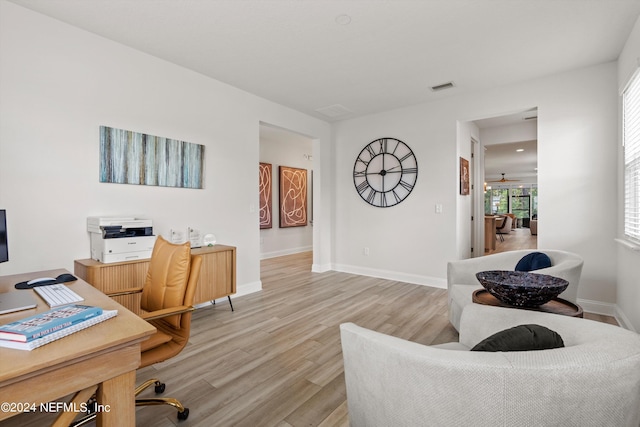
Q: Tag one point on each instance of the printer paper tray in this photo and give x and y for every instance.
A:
(130, 256)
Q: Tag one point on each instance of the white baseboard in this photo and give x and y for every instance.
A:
(290, 251)
(246, 289)
(393, 275)
(320, 268)
(623, 320)
(597, 307)
(607, 309)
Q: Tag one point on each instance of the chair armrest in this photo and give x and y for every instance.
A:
(165, 312)
(463, 272)
(127, 291)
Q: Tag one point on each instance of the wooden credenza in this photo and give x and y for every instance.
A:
(217, 276)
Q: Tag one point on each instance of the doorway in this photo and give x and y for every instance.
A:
(510, 144)
(284, 148)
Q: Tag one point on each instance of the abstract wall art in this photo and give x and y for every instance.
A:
(464, 177)
(293, 197)
(265, 191)
(128, 157)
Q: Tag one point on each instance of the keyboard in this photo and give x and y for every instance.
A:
(57, 295)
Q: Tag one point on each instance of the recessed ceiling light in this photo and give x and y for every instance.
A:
(343, 19)
(520, 150)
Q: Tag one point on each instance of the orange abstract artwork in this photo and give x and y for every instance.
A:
(264, 191)
(293, 197)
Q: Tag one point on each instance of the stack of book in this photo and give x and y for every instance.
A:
(43, 328)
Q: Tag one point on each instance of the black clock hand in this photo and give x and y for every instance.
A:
(383, 172)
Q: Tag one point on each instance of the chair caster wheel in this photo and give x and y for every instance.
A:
(92, 405)
(184, 414)
(159, 388)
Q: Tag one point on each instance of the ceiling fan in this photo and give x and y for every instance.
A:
(503, 179)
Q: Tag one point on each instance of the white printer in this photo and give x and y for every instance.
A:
(116, 239)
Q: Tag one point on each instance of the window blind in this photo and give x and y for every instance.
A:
(631, 141)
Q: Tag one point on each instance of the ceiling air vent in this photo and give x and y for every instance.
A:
(334, 111)
(442, 86)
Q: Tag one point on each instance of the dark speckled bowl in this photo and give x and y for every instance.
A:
(521, 289)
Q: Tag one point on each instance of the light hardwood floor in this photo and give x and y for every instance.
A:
(517, 239)
(277, 360)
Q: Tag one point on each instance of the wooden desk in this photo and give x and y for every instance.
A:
(555, 306)
(106, 354)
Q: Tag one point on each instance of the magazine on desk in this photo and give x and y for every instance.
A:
(60, 333)
(48, 322)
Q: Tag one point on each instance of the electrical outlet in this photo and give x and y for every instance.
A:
(438, 208)
(365, 251)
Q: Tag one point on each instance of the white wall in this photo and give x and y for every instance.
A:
(576, 159)
(58, 84)
(286, 149)
(408, 241)
(628, 297)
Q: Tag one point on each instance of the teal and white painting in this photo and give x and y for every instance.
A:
(128, 157)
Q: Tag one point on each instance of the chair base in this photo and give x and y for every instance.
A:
(159, 387)
(183, 413)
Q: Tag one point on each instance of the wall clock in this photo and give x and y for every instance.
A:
(385, 172)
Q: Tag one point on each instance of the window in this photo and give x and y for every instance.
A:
(521, 203)
(631, 143)
(521, 200)
(496, 201)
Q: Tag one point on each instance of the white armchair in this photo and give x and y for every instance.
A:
(593, 381)
(462, 281)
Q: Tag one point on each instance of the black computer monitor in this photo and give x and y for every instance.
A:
(4, 249)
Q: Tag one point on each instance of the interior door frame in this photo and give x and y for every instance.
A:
(477, 198)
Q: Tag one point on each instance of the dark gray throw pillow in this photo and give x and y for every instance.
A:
(533, 261)
(521, 338)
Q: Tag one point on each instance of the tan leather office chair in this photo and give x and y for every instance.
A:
(167, 298)
(166, 302)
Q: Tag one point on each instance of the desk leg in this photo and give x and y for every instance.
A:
(66, 418)
(118, 393)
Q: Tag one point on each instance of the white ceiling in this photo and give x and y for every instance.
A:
(517, 159)
(516, 165)
(294, 52)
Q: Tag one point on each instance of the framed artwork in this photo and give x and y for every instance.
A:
(293, 197)
(464, 176)
(128, 157)
(265, 191)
